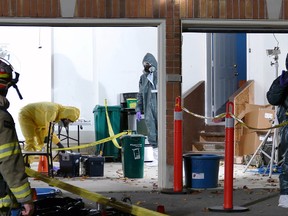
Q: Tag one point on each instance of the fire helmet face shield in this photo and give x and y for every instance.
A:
(6, 77)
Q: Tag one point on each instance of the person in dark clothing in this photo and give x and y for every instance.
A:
(277, 95)
(147, 101)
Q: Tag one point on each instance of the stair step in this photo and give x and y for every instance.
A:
(209, 142)
(212, 134)
(209, 146)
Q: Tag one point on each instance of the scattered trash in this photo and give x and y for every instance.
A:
(66, 206)
(266, 169)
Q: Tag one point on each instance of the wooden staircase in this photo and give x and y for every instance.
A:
(201, 138)
(211, 140)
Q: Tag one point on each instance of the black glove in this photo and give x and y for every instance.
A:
(60, 146)
(284, 79)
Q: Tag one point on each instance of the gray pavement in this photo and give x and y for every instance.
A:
(255, 193)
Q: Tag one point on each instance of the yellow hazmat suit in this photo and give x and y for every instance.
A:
(34, 120)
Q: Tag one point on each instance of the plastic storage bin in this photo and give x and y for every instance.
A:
(201, 170)
(92, 166)
(101, 129)
(133, 155)
(69, 164)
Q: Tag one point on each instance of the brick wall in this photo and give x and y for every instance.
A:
(171, 10)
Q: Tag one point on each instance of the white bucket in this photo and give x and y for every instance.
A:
(148, 153)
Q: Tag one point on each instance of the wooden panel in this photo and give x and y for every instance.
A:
(26, 8)
(203, 7)
(115, 9)
(88, 8)
(222, 6)
(196, 9)
(142, 8)
(183, 8)
(13, 11)
(242, 9)
(255, 9)
(248, 9)
(192, 125)
(285, 9)
(209, 8)
(229, 10)
(262, 9)
(235, 9)
(216, 12)
(156, 8)
(19, 8)
(191, 8)
(40, 8)
(149, 9)
(135, 9)
(47, 8)
(55, 8)
(243, 95)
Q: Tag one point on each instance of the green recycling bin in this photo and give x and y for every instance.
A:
(132, 153)
(102, 131)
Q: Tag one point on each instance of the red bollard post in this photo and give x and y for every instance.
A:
(229, 157)
(229, 164)
(178, 171)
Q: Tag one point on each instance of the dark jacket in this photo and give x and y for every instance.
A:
(277, 95)
(12, 167)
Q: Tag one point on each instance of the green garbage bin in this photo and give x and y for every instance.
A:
(132, 154)
(102, 131)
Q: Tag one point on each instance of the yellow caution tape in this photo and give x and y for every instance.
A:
(94, 143)
(111, 132)
(222, 115)
(121, 206)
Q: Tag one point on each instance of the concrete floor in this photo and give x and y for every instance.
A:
(248, 187)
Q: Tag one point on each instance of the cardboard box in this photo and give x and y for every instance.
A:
(252, 107)
(259, 119)
(250, 142)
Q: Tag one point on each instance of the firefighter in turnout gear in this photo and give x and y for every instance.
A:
(15, 190)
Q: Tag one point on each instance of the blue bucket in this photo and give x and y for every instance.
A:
(201, 170)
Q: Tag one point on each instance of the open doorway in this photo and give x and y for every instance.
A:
(248, 60)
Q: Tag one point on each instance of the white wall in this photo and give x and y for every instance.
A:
(259, 66)
(194, 59)
(33, 64)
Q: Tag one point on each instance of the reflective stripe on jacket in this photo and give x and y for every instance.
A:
(12, 166)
